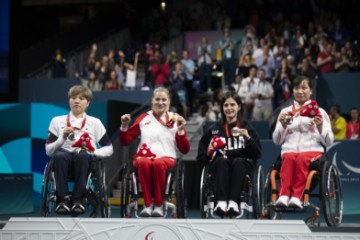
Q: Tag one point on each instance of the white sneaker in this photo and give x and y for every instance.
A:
(146, 212)
(282, 201)
(295, 202)
(158, 211)
(233, 208)
(220, 208)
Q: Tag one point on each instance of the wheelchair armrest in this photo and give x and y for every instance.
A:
(315, 165)
(277, 165)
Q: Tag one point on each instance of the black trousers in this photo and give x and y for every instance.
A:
(78, 165)
(229, 175)
(228, 67)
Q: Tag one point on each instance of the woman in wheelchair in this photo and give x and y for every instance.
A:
(160, 133)
(71, 143)
(231, 147)
(302, 130)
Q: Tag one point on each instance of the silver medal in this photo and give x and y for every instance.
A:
(71, 136)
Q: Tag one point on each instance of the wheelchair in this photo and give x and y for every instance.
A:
(95, 193)
(323, 182)
(251, 197)
(174, 195)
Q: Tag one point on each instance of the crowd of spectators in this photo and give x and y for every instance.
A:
(279, 42)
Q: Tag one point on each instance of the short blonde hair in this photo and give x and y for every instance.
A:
(162, 89)
(82, 91)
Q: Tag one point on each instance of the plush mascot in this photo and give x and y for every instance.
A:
(311, 110)
(84, 142)
(144, 151)
(218, 144)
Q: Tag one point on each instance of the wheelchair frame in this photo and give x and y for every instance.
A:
(95, 190)
(174, 191)
(330, 194)
(252, 192)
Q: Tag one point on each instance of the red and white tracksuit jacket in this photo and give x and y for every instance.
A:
(162, 141)
(301, 143)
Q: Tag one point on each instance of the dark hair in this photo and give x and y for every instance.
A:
(253, 66)
(231, 88)
(262, 70)
(337, 108)
(298, 80)
(204, 109)
(240, 115)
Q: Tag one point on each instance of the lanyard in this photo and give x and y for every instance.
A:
(226, 126)
(352, 127)
(294, 111)
(76, 128)
(161, 121)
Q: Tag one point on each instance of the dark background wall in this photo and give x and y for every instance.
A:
(339, 88)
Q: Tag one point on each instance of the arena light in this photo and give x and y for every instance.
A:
(163, 6)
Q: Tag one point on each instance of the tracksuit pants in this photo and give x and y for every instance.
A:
(64, 162)
(294, 171)
(152, 177)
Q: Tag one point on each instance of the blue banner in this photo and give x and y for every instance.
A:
(16, 195)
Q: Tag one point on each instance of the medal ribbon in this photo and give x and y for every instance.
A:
(76, 128)
(294, 111)
(160, 120)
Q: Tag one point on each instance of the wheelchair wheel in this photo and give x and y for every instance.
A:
(96, 190)
(258, 192)
(331, 194)
(181, 202)
(203, 194)
(48, 196)
(102, 191)
(267, 196)
(125, 190)
(268, 203)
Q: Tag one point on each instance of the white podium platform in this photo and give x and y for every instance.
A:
(158, 229)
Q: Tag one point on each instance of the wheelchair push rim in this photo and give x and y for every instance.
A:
(181, 203)
(203, 198)
(258, 193)
(48, 196)
(331, 192)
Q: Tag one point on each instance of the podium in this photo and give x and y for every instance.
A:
(151, 229)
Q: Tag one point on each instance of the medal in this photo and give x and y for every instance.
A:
(71, 136)
(289, 118)
(235, 131)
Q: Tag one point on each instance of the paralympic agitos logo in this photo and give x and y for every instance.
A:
(343, 155)
(157, 231)
(149, 237)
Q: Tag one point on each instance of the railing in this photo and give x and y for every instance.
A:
(76, 60)
(123, 153)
